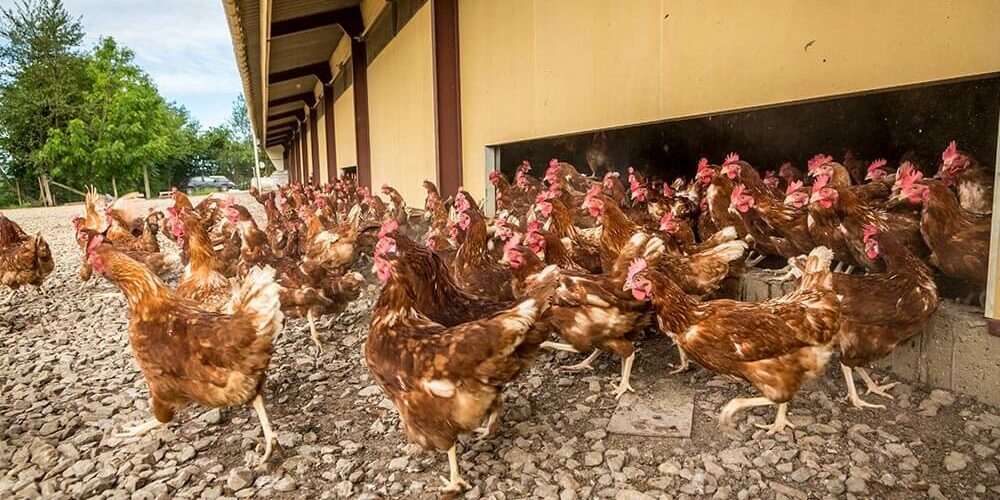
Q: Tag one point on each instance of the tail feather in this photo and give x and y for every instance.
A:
(258, 302)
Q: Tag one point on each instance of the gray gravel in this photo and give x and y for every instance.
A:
(69, 381)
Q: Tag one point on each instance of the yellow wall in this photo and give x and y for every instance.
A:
(321, 133)
(343, 113)
(401, 110)
(533, 68)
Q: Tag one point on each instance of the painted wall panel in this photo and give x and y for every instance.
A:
(401, 107)
(343, 112)
(533, 68)
(321, 134)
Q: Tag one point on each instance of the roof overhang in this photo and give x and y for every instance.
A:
(283, 49)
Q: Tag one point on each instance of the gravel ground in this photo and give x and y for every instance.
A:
(69, 381)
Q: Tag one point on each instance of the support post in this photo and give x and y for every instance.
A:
(447, 92)
(314, 144)
(330, 130)
(359, 65)
(114, 187)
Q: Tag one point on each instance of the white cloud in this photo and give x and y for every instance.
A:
(184, 46)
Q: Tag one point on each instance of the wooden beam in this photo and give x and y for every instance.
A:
(348, 18)
(447, 94)
(314, 145)
(359, 63)
(993, 273)
(320, 70)
(331, 136)
(307, 97)
(298, 114)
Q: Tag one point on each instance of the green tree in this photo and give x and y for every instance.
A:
(125, 124)
(42, 79)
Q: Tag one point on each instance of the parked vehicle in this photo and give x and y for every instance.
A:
(219, 182)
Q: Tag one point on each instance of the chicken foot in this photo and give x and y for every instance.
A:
(852, 391)
(138, 429)
(737, 404)
(752, 262)
(873, 387)
(684, 365)
(586, 364)
(455, 484)
(491, 426)
(269, 436)
(624, 385)
(313, 332)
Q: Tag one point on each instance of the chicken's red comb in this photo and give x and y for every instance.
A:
(525, 166)
(737, 191)
(820, 182)
(494, 176)
(793, 187)
(876, 165)
(637, 266)
(702, 164)
(592, 192)
(668, 191)
(388, 227)
(731, 158)
(534, 226)
(818, 161)
(869, 231)
(609, 175)
(554, 162)
(950, 153)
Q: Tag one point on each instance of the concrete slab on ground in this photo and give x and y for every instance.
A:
(663, 410)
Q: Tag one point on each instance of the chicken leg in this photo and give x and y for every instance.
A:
(138, 429)
(269, 436)
(852, 391)
(685, 364)
(313, 333)
(737, 404)
(455, 484)
(874, 388)
(586, 364)
(780, 421)
(556, 346)
(491, 425)
(624, 385)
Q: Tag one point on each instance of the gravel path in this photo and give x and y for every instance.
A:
(68, 381)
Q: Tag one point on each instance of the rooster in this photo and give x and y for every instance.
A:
(188, 354)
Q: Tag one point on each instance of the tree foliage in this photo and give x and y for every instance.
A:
(89, 116)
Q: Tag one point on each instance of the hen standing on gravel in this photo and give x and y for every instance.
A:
(189, 354)
(24, 260)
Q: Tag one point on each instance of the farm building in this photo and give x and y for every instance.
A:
(405, 90)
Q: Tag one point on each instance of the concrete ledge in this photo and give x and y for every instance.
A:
(955, 353)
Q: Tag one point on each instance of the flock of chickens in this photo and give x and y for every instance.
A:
(570, 262)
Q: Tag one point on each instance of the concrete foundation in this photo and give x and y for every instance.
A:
(955, 353)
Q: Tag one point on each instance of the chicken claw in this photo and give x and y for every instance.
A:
(852, 392)
(490, 427)
(456, 483)
(269, 436)
(138, 429)
(684, 366)
(780, 421)
(625, 386)
(586, 364)
(873, 387)
(737, 404)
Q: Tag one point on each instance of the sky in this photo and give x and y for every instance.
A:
(184, 45)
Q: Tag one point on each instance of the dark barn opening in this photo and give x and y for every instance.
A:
(919, 120)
